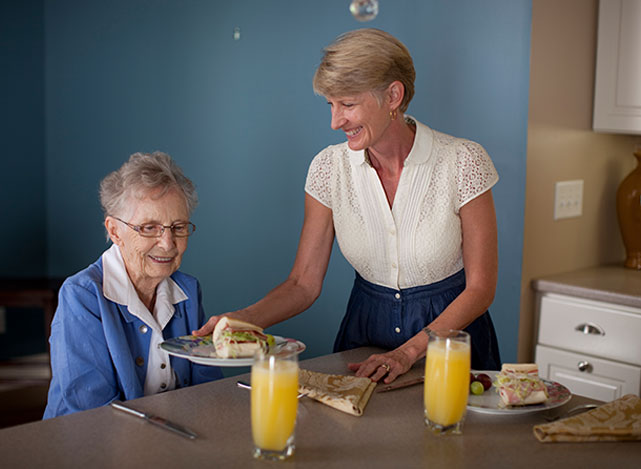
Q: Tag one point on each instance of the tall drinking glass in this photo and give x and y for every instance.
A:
(447, 380)
(274, 390)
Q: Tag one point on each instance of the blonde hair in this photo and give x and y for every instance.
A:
(143, 173)
(365, 60)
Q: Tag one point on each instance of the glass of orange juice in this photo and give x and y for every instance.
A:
(274, 403)
(447, 380)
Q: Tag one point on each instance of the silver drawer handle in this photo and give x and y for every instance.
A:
(590, 328)
(584, 366)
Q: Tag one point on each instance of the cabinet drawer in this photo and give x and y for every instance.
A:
(602, 379)
(586, 326)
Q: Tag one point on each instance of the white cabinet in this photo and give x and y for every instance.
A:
(617, 94)
(591, 347)
(587, 375)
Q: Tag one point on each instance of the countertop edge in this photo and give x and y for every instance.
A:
(551, 286)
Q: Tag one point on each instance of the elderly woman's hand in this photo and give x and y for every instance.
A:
(388, 365)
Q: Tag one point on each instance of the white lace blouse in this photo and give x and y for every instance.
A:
(418, 241)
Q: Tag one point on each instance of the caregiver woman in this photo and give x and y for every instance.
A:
(112, 315)
(412, 211)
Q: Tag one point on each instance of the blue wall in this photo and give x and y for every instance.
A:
(22, 160)
(241, 119)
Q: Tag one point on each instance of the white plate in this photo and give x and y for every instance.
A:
(488, 402)
(201, 350)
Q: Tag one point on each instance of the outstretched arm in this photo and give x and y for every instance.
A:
(305, 281)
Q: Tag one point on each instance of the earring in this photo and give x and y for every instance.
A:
(393, 114)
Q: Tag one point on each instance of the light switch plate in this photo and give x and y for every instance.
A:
(568, 199)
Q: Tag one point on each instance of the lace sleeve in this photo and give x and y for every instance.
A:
(319, 175)
(475, 171)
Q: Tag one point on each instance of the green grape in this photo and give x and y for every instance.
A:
(477, 388)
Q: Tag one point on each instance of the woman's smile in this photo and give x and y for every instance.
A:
(353, 132)
(162, 259)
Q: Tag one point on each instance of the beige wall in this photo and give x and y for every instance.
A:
(562, 146)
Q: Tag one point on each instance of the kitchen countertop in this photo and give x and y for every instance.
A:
(390, 433)
(611, 284)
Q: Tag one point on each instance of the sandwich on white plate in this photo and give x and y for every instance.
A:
(234, 338)
(519, 384)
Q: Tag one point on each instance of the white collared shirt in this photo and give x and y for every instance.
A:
(117, 287)
(418, 241)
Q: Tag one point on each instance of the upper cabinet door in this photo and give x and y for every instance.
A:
(617, 95)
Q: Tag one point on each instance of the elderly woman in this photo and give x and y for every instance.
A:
(412, 211)
(112, 315)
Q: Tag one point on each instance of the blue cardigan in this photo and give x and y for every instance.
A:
(99, 351)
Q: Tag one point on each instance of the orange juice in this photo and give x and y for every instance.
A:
(274, 403)
(447, 381)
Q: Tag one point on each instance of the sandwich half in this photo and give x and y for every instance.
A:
(234, 338)
(519, 384)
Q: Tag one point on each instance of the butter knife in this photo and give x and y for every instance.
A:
(399, 385)
(161, 422)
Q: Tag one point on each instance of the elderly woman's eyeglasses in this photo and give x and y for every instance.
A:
(153, 230)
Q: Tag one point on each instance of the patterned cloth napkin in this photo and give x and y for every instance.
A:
(346, 393)
(619, 420)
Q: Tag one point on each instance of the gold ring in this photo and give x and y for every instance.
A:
(386, 367)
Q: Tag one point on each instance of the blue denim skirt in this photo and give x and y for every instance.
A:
(387, 318)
